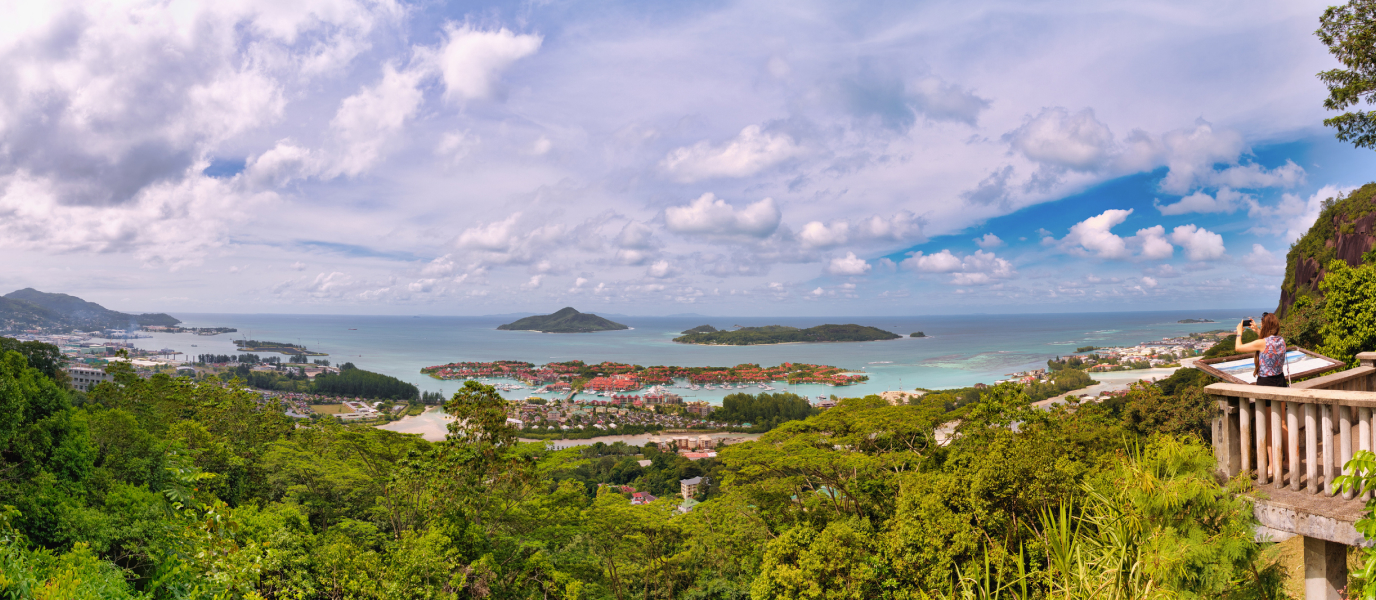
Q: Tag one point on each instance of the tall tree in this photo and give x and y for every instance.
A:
(1349, 31)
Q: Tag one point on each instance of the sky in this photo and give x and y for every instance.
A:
(725, 158)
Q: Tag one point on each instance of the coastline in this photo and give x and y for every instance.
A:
(792, 343)
(1111, 382)
(432, 426)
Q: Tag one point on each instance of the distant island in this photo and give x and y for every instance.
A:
(918, 334)
(278, 347)
(30, 309)
(780, 334)
(701, 329)
(567, 320)
(1196, 321)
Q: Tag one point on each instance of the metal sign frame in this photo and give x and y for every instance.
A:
(1206, 365)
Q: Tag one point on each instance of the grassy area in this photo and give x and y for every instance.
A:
(330, 409)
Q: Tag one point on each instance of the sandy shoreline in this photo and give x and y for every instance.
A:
(1112, 382)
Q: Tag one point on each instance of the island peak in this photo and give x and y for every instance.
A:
(565, 320)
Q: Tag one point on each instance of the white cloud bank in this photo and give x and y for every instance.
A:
(749, 153)
(711, 216)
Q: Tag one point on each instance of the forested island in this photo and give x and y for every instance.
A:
(781, 334)
(278, 347)
(700, 329)
(567, 320)
(1196, 321)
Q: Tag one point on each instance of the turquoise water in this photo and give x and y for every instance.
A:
(961, 350)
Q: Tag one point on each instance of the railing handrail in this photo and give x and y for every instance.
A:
(1314, 396)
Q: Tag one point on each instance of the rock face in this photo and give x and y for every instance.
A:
(1343, 231)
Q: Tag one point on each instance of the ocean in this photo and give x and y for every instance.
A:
(959, 351)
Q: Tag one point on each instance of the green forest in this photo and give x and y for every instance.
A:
(351, 381)
(781, 334)
(763, 411)
(168, 488)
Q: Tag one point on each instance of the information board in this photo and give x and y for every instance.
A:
(1239, 368)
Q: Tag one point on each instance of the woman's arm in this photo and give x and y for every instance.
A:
(1256, 345)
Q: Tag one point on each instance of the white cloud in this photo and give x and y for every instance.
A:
(941, 262)
(1199, 244)
(1094, 237)
(513, 240)
(636, 235)
(1293, 215)
(440, 267)
(750, 152)
(709, 215)
(1262, 262)
(819, 235)
(1148, 281)
(534, 283)
(367, 120)
(1253, 176)
(1154, 246)
(1192, 153)
(283, 163)
(660, 269)
(988, 241)
(471, 60)
(848, 265)
(1057, 138)
(1225, 201)
(1094, 234)
(974, 269)
(903, 226)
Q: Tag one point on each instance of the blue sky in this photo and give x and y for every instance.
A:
(790, 158)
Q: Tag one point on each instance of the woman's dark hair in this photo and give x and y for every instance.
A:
(1270, 325)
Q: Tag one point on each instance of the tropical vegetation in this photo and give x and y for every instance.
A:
(781, 334)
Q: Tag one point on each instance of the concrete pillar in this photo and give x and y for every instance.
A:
(1325, 569)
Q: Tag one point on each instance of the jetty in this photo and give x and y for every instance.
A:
(1292, 442)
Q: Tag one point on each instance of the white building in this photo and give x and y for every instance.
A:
(85, 378)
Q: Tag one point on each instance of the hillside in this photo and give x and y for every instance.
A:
(1344, 230)
(567, 320)
(780, 334)
(31, 309)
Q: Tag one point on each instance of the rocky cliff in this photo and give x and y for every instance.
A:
(1344, 230)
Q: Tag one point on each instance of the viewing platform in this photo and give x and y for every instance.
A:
(1293, 442)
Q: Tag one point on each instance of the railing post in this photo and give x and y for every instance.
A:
(1261, 431)
(1292, 454)
(1277, 454)
(1226, 448)
(1364, 436)
(1244, 438)
(1311, 447)
(1326, 430)
(1345, 439)
(1366, 359)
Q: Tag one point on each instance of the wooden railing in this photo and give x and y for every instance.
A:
(1298, 437)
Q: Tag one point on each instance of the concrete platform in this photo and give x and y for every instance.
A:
(1310, 515)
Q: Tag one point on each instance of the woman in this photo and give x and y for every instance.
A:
(1270, 357)
(1270, 349)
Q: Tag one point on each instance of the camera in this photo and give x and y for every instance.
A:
(1246, 322)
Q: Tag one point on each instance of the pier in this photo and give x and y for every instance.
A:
(1293, 442)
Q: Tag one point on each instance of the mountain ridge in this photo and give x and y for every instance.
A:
(29, 308)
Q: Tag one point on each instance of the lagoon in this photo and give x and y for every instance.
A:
(960, 350)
